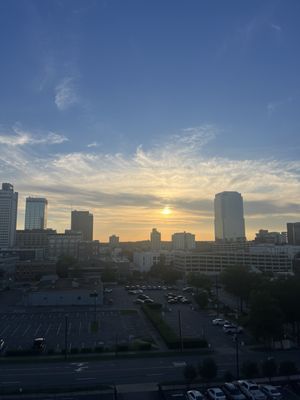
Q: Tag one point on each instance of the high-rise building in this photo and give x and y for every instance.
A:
(36, 213)
(8, 215)
(114, 241)
(155, 239)
(82, 221)
(293, 233)
(229, 217)
(183, 241)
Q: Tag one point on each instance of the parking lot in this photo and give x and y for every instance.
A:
(194, 322)
(19, 329)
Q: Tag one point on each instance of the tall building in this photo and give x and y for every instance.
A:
(114, 241)
(293, 233)
(36, 213)
(183, 241)
(8, 215)
(229, 217)
(82, 221)
(155, 239)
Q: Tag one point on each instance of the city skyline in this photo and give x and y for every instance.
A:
(143, 126)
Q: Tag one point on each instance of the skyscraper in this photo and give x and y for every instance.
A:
(36, 213)
(82, 221)
(293, 233)
(183, 241)
(155, 239)
(8, 215)
(229, 217)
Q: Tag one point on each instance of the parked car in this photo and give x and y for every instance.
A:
(187, 289)
(194, 395)
(107, 290)
(251, 390)
(218, 321)
(148, 301)
(232, 329)
(271, 392)
(215, 393)
(139, 301)
(233, 392)
(39, 344)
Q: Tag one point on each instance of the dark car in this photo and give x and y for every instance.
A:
(39, 344)
(233, 392)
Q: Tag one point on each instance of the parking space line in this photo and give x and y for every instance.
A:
(4, 330)
(26, 330)
(48, 329)
(15, 330)
(58, 329)
(38, 328)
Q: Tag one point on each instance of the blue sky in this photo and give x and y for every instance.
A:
(187, 97)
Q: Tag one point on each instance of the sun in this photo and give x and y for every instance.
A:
(166, 211)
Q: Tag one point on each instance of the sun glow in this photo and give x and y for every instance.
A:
(166, 211)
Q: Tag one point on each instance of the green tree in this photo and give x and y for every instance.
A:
(250, 369)
(199, 281)
(202, 299)
(239, 281)
(269, 368)
(108, 275)
(190, 373)
(64, 264)
(208, 369)
(265, 317)
(287, 368)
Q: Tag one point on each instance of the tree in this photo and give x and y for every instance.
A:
(250, 369)
(239, 281)
(287, 368)
(190, 373)
(199, 281)
(265, 318)
(108, 275)
(269, 368)
(202, 299)
(208, 369)
(165, 273)
(63, 265)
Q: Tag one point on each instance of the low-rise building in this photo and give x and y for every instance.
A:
(215, 263)
(146, 259)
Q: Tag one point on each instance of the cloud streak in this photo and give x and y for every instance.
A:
(65, 94)
(22, 138)
(127, 192)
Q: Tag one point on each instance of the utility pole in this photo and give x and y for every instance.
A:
(180, 331)
(217, 294)
(237, 362)
(66, 336)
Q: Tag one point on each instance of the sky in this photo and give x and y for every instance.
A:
(140, 111)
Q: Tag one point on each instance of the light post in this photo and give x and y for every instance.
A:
(66, 336)
(180, 331)
(237, 361)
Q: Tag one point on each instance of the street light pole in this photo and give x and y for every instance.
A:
(237, 361)
(66, 336)
(180, 330)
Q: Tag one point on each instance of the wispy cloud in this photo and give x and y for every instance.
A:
(273, 106)
(276, 27)
(65, 94)
(93, 144)
(126, 192)
(21, 137)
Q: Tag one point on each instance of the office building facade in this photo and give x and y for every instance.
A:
(82, 221)
(229, 217)
(293, 233)
(155, 240)
(8, 215)
(183, 241)
(36, 213)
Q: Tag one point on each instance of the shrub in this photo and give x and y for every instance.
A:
(250, 369)
(86, 350)
(287, 368)
(74, 350)
(208, 369)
